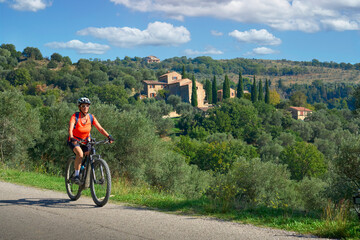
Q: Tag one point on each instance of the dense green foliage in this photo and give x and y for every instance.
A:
(242, 153)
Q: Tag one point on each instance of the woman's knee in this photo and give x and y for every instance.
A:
(80, 155)
(78, 152)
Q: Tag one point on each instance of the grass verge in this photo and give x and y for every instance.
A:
(123, 192)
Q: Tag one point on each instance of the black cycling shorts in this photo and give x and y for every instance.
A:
(84, 148)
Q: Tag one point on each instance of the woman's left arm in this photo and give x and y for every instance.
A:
(102, 130)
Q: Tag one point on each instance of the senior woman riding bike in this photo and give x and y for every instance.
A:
(79, 132)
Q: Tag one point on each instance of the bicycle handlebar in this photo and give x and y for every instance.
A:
(93, 142)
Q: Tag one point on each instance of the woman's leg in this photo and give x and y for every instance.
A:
(79, 155)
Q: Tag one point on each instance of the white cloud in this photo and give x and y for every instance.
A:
(261, 51)
(156, 34)
(302, 15)
(261, 37)
(80, 47)
(216, 33)
(340, 24)
(208, 51)
(29, 5)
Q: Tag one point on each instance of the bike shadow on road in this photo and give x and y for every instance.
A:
(46, 202)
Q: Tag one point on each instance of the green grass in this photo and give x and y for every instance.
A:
(145, 196)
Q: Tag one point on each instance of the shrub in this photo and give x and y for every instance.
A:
(19, 127)
(347, 163)
(303, 159)
(312, 193)
(215, 156)
(251, 183)
(51, 151)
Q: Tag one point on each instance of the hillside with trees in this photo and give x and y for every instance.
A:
(243, 153)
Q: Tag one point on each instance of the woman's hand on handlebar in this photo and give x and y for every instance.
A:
(110, 138)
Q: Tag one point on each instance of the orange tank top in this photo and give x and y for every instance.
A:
(82, 131)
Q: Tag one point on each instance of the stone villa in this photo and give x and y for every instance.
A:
(175, 85)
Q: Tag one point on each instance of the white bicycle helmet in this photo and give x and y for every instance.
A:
(83, 100)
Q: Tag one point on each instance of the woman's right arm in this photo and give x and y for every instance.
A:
(71, 128)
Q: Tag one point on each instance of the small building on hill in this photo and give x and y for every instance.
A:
(299, 112)
(152, 59)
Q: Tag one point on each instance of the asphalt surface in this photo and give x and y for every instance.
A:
(30, 213)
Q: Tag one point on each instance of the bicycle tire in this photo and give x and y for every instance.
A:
(100, 182)
(73, 190)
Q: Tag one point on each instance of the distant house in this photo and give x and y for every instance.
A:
(232, 94)
(174, 84)
(151, 59)
(299, 112)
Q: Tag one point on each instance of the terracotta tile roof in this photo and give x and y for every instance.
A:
(169, 73)
(177, 81)
(183, 82)
(301, 109)
(154, 82)
(231, 89)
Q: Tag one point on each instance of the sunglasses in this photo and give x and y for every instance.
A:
(84, 106)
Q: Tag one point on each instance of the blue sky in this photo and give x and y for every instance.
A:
(298, 30)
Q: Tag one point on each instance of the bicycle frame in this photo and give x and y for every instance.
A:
(89, 161)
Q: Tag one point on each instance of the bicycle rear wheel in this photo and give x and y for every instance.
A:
(73, 190)
(100, 184)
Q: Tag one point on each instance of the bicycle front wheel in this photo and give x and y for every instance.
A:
(100, 184)
(73, 190)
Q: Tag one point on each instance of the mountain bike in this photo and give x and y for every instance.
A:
(94, 173)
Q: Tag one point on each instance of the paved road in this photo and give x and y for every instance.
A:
(30, 213)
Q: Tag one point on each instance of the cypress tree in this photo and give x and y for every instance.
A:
(254, 93)
(214, 91)
(240, 87)
(194, 101)
(261, 92)
(267, 92)
(280, 84)
(208, 90)
(226, 88)
(183, 74)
